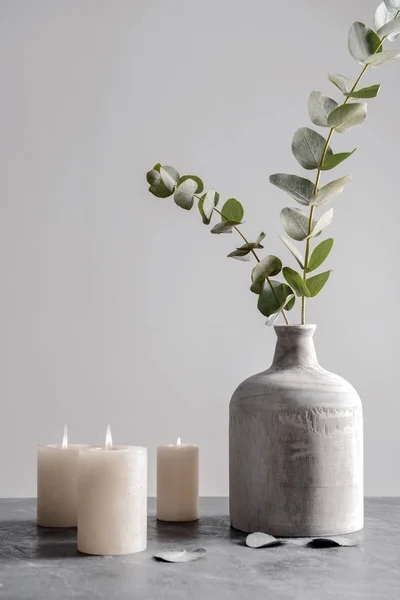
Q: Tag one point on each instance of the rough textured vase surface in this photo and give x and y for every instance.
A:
(296, 446)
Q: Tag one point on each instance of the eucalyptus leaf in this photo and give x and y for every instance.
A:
(206, 205)
(267, 267)
(392, 4)
(295, 223)
(334, 160)
(331, 542)
(298, 188)
(363, 42)
(295, 281)
(269, 303)
(330, 191)
(224, 227)
(319, 254)
(153, 177)
(382, 16)
(369, 92)
(180, 556)
(273, 318)
(200, 184)
(381, 59)
(317, 282)
(347, 116)
(157, 186)
(292, 248)
(170, 177)
(320, 107)
(308, 148)
(342, 82)
(323, 221)
(259, 239)
(184, 193)
(238, 254)
(232, 210)
(391, 28)
(262, 540)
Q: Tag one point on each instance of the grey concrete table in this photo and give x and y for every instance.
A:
(43, 564)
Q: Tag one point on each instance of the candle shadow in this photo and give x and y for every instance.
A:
(24, 540)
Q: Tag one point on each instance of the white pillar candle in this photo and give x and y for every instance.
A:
(112, 499)
(57, 482)
(178, 482)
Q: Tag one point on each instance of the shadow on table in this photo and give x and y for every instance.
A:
(24, 540)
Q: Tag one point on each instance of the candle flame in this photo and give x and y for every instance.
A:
(108, 438)
(179, 442)
(65, 438)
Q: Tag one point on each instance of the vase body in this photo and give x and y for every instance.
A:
(296, 446)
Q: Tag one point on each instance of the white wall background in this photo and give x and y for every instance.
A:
(119, 307)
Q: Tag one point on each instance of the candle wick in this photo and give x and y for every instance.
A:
(65, 438)
(109, 444)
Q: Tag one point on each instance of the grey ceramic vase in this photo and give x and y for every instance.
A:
(296, 446)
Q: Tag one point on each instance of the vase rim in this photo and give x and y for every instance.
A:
(305, 327)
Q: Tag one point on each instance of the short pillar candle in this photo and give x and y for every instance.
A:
(178, 482)
(57, 484)
(112, 500)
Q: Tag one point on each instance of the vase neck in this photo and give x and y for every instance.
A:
(295, 347)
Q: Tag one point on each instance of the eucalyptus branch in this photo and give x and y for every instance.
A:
(319, 171)
(313, 152)
(268, 280)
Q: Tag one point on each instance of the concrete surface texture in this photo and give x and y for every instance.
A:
(38, 564)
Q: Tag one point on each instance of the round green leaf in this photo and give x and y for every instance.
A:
(390, 29)
(334, 160)
(232, 210)
(267, 267)
(170, 177)
(206, 205)
(157, 186)
(270, 303)
(153, 177)
(184, 193)
(319, 254)
(382, 16)
(342, 82)
(329, 191)
(382, 59)
(316, 283)
(298, 188)
(295, 223)
(308, 147)
(320, 107)
(200, 184)
(272, 319)
(347, 116)
(362, 42)
(295, 280)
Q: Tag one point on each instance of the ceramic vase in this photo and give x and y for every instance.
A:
(296, 446)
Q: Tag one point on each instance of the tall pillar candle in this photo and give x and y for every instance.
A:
(178, 482)
(57, 482)
(112, 500)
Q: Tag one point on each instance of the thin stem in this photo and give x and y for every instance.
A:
(258, 260)
(317, 180)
